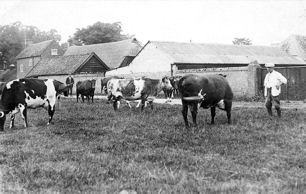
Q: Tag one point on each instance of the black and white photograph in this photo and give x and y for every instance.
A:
(152, 96)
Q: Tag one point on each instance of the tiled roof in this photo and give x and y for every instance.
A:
(34, 49)
(112, 53)
(59, 65)
(224, 54)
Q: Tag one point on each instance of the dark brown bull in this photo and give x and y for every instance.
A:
(85, 88)
(206, 91)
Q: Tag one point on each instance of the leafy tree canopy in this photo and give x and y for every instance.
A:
(14, 37)
(242, 41)
(98, 33)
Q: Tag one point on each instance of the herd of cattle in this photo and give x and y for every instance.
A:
(206, 91)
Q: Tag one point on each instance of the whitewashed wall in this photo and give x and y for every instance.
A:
(79, 77)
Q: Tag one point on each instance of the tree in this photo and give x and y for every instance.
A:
(98, 33)
(242, 41)
(13, 39)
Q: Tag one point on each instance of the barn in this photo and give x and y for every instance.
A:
(295, 45)
(81, 67)
(238, 63)
(114, 54)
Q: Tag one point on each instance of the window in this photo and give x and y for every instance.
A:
(53, 52)
(21, 68)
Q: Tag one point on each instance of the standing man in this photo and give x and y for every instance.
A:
(272, 83)
(70, 81)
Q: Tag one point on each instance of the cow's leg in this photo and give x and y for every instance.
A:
(82, 96)
(51, 110)
(23, 112)
(194, 112)
(77, 96)
(92, 98)
(138, 104)
(213, 114)
(109, 97)
(143, 102)
(129, 104)
(15, 111)
(228, 107)
(116, 104)
(185, 112)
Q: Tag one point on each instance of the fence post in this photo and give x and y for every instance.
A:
(252, 79)
(287, 86)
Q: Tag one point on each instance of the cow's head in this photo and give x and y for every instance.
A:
(2, 117)
(166, 83)
(93, 83)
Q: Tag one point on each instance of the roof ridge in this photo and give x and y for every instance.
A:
(215, 44)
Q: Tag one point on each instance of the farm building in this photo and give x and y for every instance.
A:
(114, 54)
(32, 54)
(81, 67)
(238, 63)
(295, 45)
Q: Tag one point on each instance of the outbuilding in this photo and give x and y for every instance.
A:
(238, 63)
(81, 67)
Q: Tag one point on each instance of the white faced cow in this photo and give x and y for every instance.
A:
(20, 94)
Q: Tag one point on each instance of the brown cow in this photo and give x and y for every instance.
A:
(85, 88)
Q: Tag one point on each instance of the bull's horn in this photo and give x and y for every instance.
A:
(1, 114)
(193, 98)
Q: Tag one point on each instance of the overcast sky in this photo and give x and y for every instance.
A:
(203, 21)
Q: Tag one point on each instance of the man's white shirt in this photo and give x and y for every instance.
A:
(274, 80)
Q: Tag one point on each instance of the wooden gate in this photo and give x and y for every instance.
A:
(295, 89)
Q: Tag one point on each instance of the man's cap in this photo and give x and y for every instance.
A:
(269, 65)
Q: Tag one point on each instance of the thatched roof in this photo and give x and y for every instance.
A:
(112, 53)
(295, 45)
(34, 49)
(224, 54)
(61, 65)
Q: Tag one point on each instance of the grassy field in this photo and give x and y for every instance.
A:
(92, 149)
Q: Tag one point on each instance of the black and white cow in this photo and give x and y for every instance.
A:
(20, 94)
(206, 91)
(104, 82)
(143, 89)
